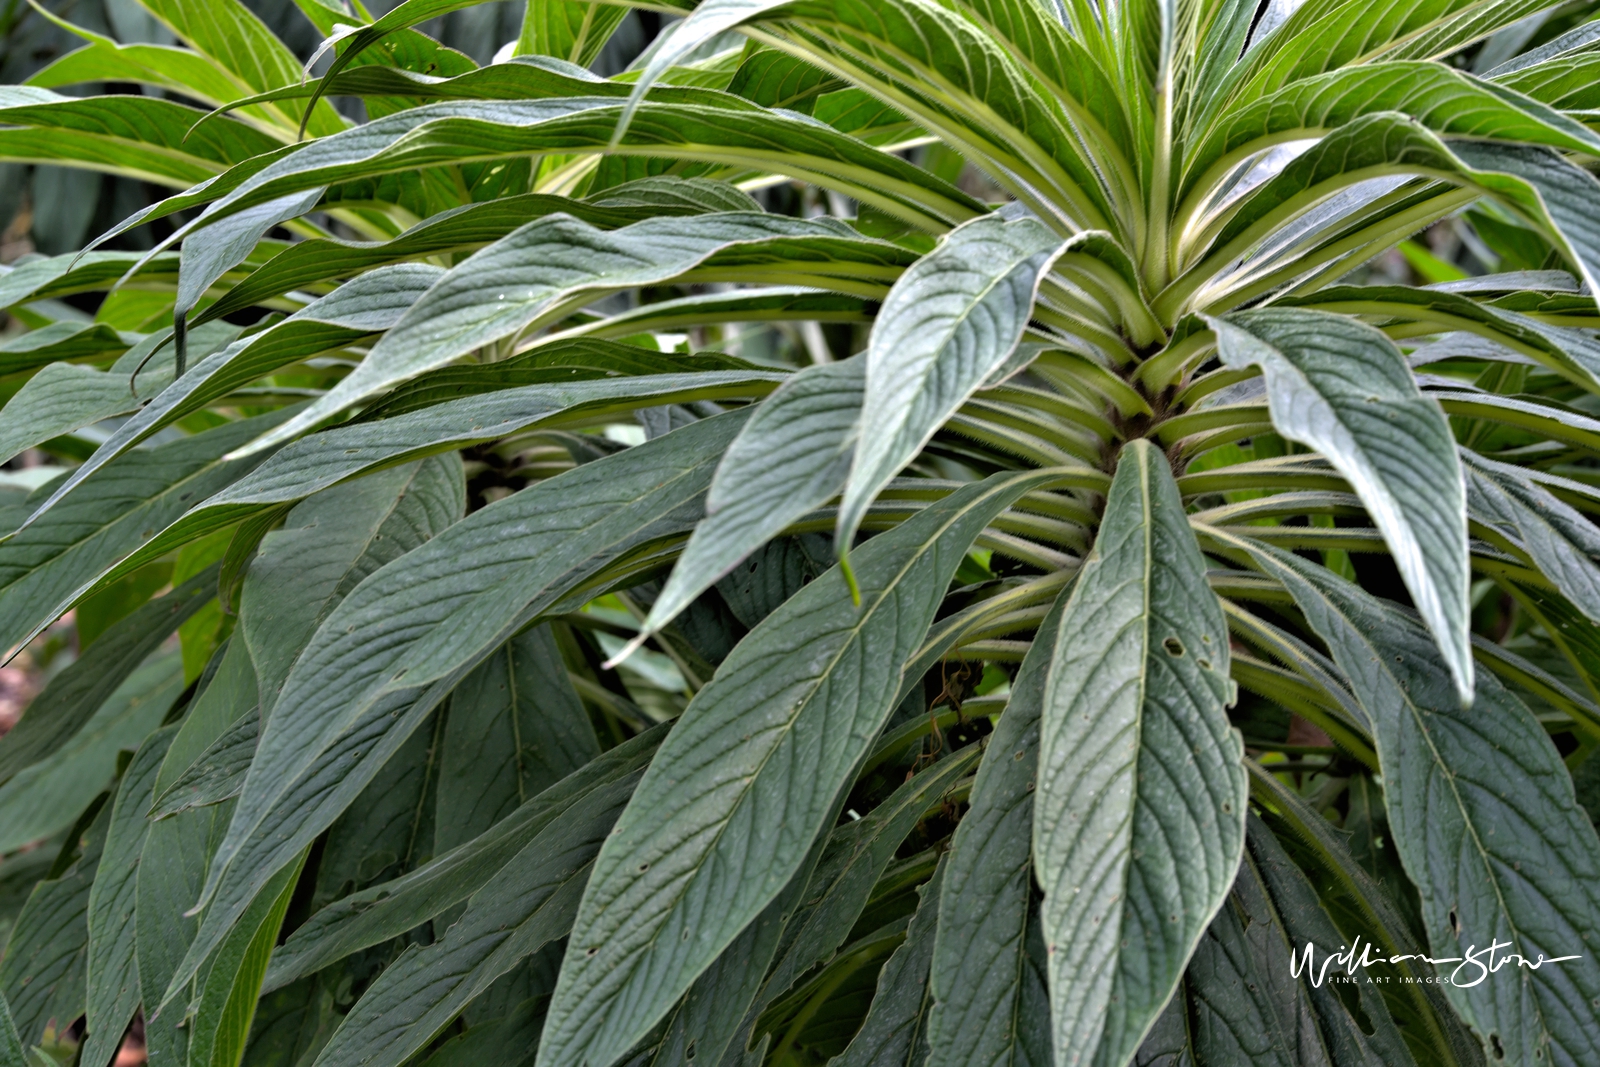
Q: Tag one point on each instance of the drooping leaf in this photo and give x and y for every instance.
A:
(949, 322)
(1139, 816)
(1450, 795)
(788, 678)
(1560, 541)
(456, 608)
(790, 458)
(366, 305)
(333, 456)
(892, 1032)
(528, 903)
(541, 272)
(64, 397)
(46, 565)
(1381, 433)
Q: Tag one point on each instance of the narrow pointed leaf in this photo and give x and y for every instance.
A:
(388, 910)
(327, 545)
(1343, 389)
(216, 774)
(791, 458)
(949, 322)
(778, 725)
(1139, 816)
(1563, 544)
(892, 1033)
(316, 462)
(45, 566)
(527, 904)
(112, 975)
(979, 966)
(364, 306)
(397, 645)
(64, 397)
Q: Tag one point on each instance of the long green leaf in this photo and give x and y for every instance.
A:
(541, 272)
(389, 909)
(892, 1032)
(113, 976)
(64, 397)
(367, 305)
(450, 602)
(1450, 795)
(979, 974)
(724, 135)
(1139, 816)
(1562, 543)
(527, 904)
(327, 545)
(46, 565)
(948, 323)
(316, 462)
(462, 229)
(516, 727)
(778, 725)
(232, 983)
(1379, 431)
(791, 458)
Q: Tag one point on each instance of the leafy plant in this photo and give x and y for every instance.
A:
(930, 531)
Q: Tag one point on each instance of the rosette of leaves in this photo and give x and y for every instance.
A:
(926, 531)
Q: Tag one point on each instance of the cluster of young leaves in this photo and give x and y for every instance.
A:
(562, 677)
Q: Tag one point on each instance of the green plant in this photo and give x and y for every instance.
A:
(1267, 582)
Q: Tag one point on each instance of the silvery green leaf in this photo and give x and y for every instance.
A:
(1378, 430)
(1139, 814)
(948, 323)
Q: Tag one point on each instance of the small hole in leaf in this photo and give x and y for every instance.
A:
(1173, 646)
(591, 952)
(1499, 1049)
(1205, 664)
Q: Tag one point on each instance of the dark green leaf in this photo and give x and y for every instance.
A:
(516, 727)
(112, 974)
(980, 975)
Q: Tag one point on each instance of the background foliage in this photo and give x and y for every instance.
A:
(945, 531)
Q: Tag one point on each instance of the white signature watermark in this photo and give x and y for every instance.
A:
(1478, 963)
